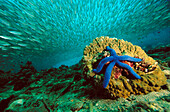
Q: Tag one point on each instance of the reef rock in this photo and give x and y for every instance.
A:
(122, 84)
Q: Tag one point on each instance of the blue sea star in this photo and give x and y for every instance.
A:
(115, 59)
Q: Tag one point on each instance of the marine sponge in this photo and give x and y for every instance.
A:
(121, 83)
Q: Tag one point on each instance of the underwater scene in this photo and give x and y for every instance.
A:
(84, 55)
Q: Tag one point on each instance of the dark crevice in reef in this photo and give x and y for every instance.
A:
(5, 102)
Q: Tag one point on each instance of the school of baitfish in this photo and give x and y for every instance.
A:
(40, 28)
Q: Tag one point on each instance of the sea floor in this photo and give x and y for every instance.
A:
(64, 89)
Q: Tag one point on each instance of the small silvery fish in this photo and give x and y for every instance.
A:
(5, 22)
(22, 44)
(15, 32)
(26, 26)
(4, 55)
(15, 47)
(6, 37)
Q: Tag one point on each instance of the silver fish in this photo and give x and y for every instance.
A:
(15, 32)
(38, 26)
(15, 47)
(6, 37)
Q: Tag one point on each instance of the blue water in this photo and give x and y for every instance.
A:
(150, 41)
(54, 32)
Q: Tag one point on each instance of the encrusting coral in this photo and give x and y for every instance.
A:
(121, 83)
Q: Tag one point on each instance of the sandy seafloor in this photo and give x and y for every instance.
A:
(64, 89)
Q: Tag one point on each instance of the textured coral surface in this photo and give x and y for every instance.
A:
(122, 84)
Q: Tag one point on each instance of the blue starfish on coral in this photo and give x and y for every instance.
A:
(115, 59)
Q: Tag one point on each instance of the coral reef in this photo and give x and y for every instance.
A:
(77, 88)
(24, 77)
(152, 78)
(161, 54)
(64, 89)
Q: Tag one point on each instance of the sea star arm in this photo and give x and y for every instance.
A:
(102, 63)
(112, 51)
(129, 58)
(128, 68)
(108, 74)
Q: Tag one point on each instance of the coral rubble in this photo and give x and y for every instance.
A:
(121, 83)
